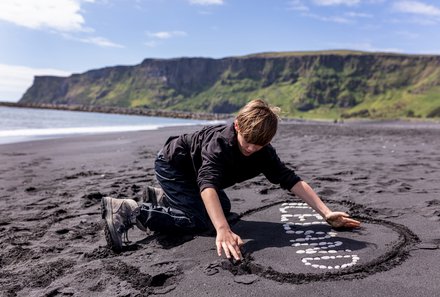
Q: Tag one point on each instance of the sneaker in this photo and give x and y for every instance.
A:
(119, 215)
(153, 195)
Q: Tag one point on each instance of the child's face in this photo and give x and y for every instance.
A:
(245, 147)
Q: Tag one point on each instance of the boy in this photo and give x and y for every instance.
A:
(193, 169)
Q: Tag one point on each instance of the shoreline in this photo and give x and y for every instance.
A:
(117, 134)
(200, 116)
(45, 123)
(122, 110)
(345, 126)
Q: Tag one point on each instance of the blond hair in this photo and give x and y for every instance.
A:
(258, 122)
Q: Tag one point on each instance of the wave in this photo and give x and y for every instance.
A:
(81, 130)
(18, 135)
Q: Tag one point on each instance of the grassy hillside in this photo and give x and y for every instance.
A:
(329, 84)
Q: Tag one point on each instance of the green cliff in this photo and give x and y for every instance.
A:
(329, 84)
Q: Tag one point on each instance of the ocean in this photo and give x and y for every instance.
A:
(26, 124)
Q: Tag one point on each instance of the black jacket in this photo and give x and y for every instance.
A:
(212, 158)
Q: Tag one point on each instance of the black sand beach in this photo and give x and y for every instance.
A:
(386, 175)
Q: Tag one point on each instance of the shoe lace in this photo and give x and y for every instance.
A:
(128, 224)
(125, 236)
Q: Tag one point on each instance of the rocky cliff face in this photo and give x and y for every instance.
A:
(322, 84)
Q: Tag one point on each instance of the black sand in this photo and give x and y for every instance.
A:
(387, 175)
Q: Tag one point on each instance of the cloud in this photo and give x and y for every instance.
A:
(420, 13)
(365, 46)
(62, 16)
(429, 52)
(416, 7)
(157, 38)
(336, 2)
(59, 15)
(297, 5)
(333, 19)
(100, 41)
(14, 80)
(408, 35)
(206, 2)
(95, 40)
(152, 43)
(167, 34)
(358, 14)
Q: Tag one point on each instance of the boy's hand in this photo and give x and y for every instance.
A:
(341, 220)
(229, 242)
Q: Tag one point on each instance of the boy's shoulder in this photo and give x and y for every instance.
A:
(225, 131)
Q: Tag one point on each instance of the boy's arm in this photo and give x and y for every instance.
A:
(335, 219)
(226, 239)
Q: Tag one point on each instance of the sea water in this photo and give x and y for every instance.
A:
(25, 124)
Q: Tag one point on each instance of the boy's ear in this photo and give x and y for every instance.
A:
(236, 126)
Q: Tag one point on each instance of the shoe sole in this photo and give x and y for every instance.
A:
(111, 235)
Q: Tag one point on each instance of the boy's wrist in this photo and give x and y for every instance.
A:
(222, 227)
(326, 214)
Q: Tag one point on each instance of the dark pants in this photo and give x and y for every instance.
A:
(183, 208)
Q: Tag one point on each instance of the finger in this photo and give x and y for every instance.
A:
(226, 249)
(219, 249)
(236, 254)
(351, 223)
(240, 243)
(354, 224)
(348, 220)
(238, 250)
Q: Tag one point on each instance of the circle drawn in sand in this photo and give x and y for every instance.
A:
(290, 242)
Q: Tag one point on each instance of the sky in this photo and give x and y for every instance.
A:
(61, 37)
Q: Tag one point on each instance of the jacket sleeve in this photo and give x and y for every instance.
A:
(277, 172)
(213, 159)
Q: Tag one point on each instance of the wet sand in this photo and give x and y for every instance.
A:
(386, 175)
